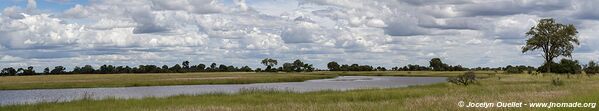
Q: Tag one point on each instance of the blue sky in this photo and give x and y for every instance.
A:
(238, 32)
(49, 5)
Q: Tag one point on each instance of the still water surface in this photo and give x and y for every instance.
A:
(9, 97)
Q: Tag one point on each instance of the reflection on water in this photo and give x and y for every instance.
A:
(339, 83)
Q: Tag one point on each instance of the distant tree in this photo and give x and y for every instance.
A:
(152, 69)
(246, 69)
(591, 68)
(47, 70)
(297, 65)
(366, 68)
(458, 68)
(258, 70)
(58, 70)
(76, 70)
(354, 67)
(513, 70)
(213, 67)
(87, 69)
(308, 68)
(344, 67)
(333, 66)
(381, 68)
(231, 69)
(288, 67)
(518, 69)
(28, 71)
(201, 67)
(9, 71)
(20, 71)
(437, 64)
(269, 63)
(120, 69)
(176, 68)
(222, 67)
(185, 65)
(108, 69)
(164, 69)
(128, 69)
(553, 39)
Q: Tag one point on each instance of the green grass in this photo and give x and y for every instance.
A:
(161, 79)
(482, 74)
(443, 96)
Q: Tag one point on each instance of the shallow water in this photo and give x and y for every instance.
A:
(9, 97)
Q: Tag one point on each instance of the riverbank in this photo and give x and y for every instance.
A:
(443, 96)
(165, 79)
(157, 79)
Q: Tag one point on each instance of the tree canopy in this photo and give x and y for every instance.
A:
(269, 63)
(333, 66)
(553, 39)
(437, 64)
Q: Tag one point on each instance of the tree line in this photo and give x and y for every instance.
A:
(112, 69)
(184, 67)
(295, 66)
(435, 64)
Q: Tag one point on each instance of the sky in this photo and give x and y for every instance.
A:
(472, 33)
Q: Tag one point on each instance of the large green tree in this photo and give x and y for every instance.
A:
(552, 39)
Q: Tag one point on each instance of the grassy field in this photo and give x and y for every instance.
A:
(160, 79)
(481, 74)
(442, 96)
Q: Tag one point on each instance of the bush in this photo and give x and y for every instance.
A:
(564, 66)
(465, 79)
(569, 66)
(591, 68)
(513, 70)
(557, 82)
(543, 68)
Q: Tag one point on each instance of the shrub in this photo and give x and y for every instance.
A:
(465, 79)
(513, 70)
(564, 66)
(557, 82)
(591, 68)
(569, 66)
